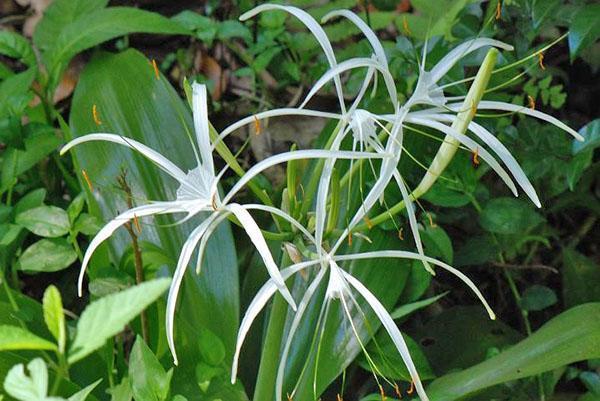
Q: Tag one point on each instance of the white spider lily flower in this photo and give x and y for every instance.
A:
(339, 287)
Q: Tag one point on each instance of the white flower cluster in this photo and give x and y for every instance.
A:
(198, 190)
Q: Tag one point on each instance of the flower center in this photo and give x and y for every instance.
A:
(198, 184)
(362, 124)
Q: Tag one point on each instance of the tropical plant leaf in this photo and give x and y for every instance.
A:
(572, 336)
(16, 338)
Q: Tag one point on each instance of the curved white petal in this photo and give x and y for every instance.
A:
(165, 164)
(392, 330)
(120, 220)
(448, 61)
(412, 255)
(351, 64)
(261, 246)
(200, 112)
(314, 27)
(274, 113)
(296, 155)
(412, 219)
(310, 291)
(375, 44)
(184, 258)
(471, 144)
(501, 151)
(204, 240)
(258, 303)
(492, 105)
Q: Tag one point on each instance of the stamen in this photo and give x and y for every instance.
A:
(368, 222)
(155, 67)
(531, 102)
(95, 115)
(541, 60)
(400, 234)
(397, 390)
(473, 108)
(257, 128)
(382, 393)
(405, 26)
(213, 202)
(349, 238)
(339, 397)
(412, 388)
(431, 223)
(289, 397)
(498, 10)
(475, 157)
(87, 180)
(136, 224)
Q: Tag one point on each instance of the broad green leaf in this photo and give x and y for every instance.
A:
(102, 25)
(212, 349)
(108, 316)
(16, 338)
(16, 46)
(87, 224)
(538, 297)
(437, 243)
(54, 316)
(122, 391)
(428, 21)
(149, 381)
(15, 93)
(572, 336)
(47, 255)
(58, 15)
(477, 250)
(509, 216)
(75, 207)
(10, 237)
(543, 10)
(584, 29)
(591, 135)
(33, 199)
(133, 103)
(45, 221)
(580, 276)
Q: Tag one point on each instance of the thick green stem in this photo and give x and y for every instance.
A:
(449, 145)
(269, 360)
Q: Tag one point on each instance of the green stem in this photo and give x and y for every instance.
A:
(269, 360)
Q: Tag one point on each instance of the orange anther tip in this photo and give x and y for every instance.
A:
(349, 238)
(431, 223)
(87, 180)
(368, 222)
(531, 102)
(541, 61)
(382, 393)
(95, 115)
(257, 128)
(498, 10)
(400, 234)
(405, 25)
(136, 224)
(412, 387)
(155, 68)
(475, 157)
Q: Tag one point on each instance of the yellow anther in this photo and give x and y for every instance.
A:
(431, 223)
(155, 68)
(368, 222)
(136, 224)
(412, 388)
(289, 397)
(257, 128)
(531, 102)
(382, 393)
(405, 26)
(87, 180)
(349, 238)
(400, 234)
(397, 390)
(498, 10)
(213, 202)
(95, 115)
(541, 60)
(475, 157)
(339, 397)
(473, 108)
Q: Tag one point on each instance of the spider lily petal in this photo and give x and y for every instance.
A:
(274, 113)
(200, 113)
(468, 142)
(375, 44)
(296, 155)
(184, 258)
(415, 256)
(501, 151)
(165, 164)
(392, 329)
(261, 246)
(258, 303)
(120, 220)
(314, 27)
(492, 105)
